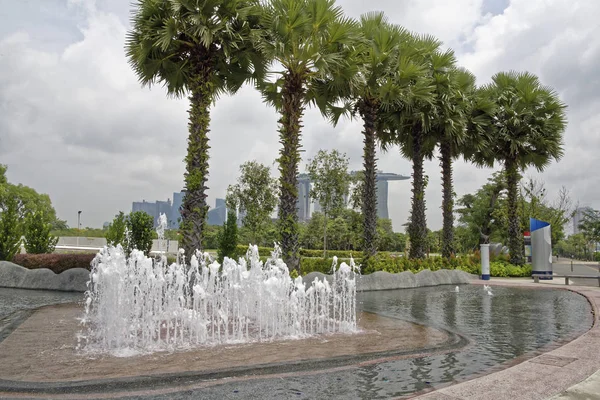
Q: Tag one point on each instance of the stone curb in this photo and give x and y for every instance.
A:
(15, 276)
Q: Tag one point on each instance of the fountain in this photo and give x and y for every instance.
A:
(142, 304)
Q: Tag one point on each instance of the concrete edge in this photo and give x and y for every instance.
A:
(381, 280)
(17, 277)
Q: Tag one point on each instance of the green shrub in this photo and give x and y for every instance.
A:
(310, 264)
(38, 239)
(262, 251)
(228, 239)
(57, 263)
(331, 253)
(10, 229)
(597, 256)
(115, 233)
(140, 226)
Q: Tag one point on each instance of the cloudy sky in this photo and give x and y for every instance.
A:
(74, 122)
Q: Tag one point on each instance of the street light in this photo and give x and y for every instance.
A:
(78, 226)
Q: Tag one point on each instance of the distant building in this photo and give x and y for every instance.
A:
(171, 210)
(578, 217)
(383, 178)
(218, 215)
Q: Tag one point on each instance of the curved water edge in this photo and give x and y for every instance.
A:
(76, 279)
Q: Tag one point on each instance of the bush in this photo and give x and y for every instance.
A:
(311, 264)
(140, 226)
(331, 253)
(228, 239)
(10, 229)
(57, 263)
(116, 230)
(38, 239)
(262, 251)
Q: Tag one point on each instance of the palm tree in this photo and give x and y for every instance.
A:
(454, 89)
(376, 57)
(527, 131)
(408, 124)
(309, 39)
(199, 48)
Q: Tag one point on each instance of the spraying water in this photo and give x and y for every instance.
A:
(143, 304)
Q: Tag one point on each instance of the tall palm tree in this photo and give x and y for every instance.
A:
(529, 120)
(408, 124)
(199, 48)
(376, 57)
(454, 89)
(309, 39)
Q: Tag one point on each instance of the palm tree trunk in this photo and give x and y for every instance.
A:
(447, 199)
(417, 230)
(289, 157)
(515, 236)
(368, 111)
(194, 207)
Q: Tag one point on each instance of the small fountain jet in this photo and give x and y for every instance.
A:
(457, 289)
(488, 290)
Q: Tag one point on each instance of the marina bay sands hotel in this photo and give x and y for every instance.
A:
(383, 178)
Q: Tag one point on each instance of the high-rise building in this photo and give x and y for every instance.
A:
(218, 215)
(578, 217)
(382, 192)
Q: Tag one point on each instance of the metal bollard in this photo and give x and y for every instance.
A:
(571, 265)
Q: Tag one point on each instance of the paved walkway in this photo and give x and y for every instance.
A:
(568, 372)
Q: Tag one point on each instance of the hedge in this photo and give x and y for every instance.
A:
(380, 262)
(57, 263)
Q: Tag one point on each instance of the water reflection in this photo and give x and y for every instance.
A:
(512, 322)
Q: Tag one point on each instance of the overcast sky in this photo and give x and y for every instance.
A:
(74, 122)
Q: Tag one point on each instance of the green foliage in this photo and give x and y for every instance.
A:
(57, 263)
(38, 238)
(255, 196)
(395, 264)
(575, 246)
(140, 228)
(84, 232)
(212, 235)
(115, 234)
(228, 242)
(590, 225)
(10, 228)
(262, 251)
(315, 264)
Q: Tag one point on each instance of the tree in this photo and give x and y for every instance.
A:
(255, 195)
(115, 233)
(139, 236)
(38, 239)
(454, 89)
(529, 121)
(10, 228)
(328, 173)
(590, 226)
(376, 56)
(309, 39)
(481, 212)
(408, 124)
(229, 237)
(199, 48)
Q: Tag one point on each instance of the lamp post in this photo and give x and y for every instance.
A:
(78, 226)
